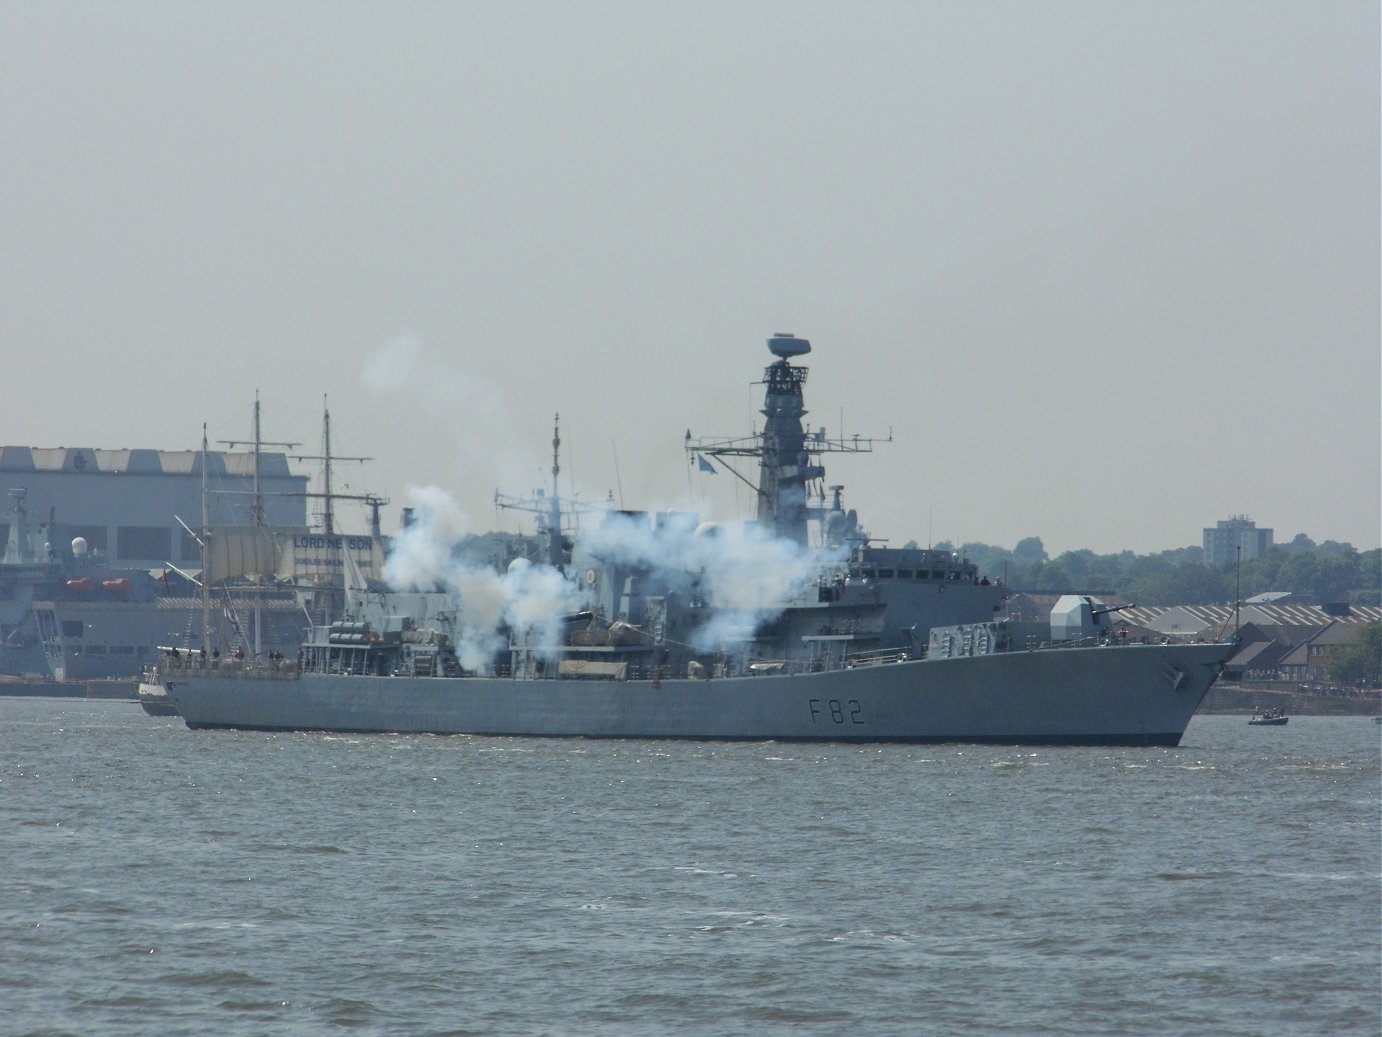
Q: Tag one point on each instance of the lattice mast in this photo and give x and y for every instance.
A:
(789, 471)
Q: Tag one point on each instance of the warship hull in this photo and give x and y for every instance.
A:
(1117, 695)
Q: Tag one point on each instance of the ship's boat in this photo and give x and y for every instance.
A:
(669, 627)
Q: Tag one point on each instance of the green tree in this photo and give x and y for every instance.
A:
(1330, 572)
(1317, 577)
(1190, 583)
(1369, 578)
(991, 560)
(1260, 574)
(1359, 662)
(1079, 565)
(1048, 577)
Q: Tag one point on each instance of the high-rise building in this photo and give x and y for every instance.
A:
(1222, 543)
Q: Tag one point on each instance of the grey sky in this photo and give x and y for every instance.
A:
(1108, 271)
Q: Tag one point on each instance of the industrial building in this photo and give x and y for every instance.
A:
(125, 504)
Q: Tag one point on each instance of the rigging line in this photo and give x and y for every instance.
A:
(618, 479)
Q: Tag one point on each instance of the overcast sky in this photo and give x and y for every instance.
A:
(1107, 272)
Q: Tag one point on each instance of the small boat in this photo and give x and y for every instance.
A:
(1273, 717)
(153, 698)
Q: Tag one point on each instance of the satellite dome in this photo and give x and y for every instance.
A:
(709, 529)
(79, 546)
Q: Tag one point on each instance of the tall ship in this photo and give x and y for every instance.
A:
(75, 607)
(655, 625)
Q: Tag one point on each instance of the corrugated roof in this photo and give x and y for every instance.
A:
(140, 462)
(1267, 615)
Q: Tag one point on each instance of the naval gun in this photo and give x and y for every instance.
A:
(1078, 616)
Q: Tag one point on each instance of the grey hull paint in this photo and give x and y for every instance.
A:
(1136, 694)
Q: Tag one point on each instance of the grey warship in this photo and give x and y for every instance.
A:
(863, 643)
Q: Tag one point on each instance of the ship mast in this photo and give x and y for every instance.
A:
(328, 495)
(257, 507)
(327, 523)
(202, 542)
(788, 472)
(257, 443)
(548, 506)
(554, 551)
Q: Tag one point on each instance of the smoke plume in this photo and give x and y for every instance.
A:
(529, 600)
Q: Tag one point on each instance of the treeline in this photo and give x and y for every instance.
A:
(1359, 662)
(1320, 573)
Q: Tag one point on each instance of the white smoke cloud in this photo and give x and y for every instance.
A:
(529, 599)
(745, 573)
(421, 552)
(403, 365)
(394, 366)
(471, 410)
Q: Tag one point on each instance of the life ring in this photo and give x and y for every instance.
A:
(590, 577)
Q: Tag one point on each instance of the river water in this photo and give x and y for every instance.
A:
(155, 880)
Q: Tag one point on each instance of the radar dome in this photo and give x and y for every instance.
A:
(785, 344)
(709, 529)
(79, 546)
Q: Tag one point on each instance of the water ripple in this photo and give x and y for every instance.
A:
(158, 880)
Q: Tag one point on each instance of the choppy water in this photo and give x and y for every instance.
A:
(159, 881)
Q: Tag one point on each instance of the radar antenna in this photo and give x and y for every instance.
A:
(552, 510)
(790, 475)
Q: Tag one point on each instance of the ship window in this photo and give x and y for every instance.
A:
(904, 574)
(73, 628)
(936, 574)
(95, 649)
(867, 573)
(885, 574)
(122, 649)
(144, 542)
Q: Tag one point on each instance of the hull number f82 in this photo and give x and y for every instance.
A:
(835, 711)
